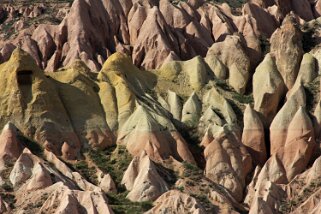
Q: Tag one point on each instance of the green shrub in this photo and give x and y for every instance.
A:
(121, 205)
(114, 161)
(88, 172)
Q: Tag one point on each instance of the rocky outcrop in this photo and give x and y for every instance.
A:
(212, 98)
(155, 40)
(75, 85)
(262, 188)
(279, 126)
(169, 200)
(194, 72)
(191, 112)
(218, 68)
(227, 162)
(307, 72)
(54, 186)
(187, 130)
(253, 136)
(63, 199)
(107, 184)
(232, 54)
(268, 97)
(155, 31)
(299, 144)
(11, 147)
(30, 96)
(286, 47)
(145, 131)
(142, 180)
(175, 105)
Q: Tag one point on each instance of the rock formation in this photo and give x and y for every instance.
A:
(169, 106)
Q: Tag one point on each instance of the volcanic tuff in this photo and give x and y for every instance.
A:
(159, 106)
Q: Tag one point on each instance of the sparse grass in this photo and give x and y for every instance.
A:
(235, 99)
(8, 29)
(88, 172)
(192, 171)
(232, 3)
(191, 136)
(245, 99)
(180, 188)
(222, 84)
(114, 161)
(31, 207)
(121, 205)
(288, 206)
(169, 175)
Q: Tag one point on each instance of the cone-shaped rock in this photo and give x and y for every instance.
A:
(142, 180)
(268, 89)
(253, 136)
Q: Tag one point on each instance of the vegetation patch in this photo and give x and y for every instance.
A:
(191, 171)
(114, 161)
(87, 172)
(121, 205)
(232, 3)
(288, 206)
(245, 99)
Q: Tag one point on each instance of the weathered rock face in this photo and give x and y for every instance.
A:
(213, 99)
(142, 180)
(233, 56)
(194, 71)
(78, 93)
(308, 71)
(253, 136)
(286, 47)
(75, 201)
(227, 162)
(265, 199)
(29, 96)
(299, 144)
(184, 132)
(54, 185)
(144, 131)
(268, 89)
(107, 184)
(11, 147)
(154, 30)
(191, 112)
(271, 173)
(169, 200)
(153, 42)
(266, 23)
(279, 126)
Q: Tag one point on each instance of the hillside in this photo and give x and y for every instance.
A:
(159, 106)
